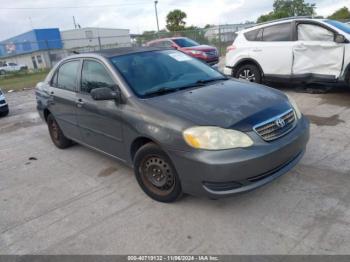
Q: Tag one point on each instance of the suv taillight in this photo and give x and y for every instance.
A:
(231, 48)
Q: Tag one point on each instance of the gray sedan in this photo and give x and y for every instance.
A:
(182, 126)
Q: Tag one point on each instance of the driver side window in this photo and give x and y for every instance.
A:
(94, 75)
(311, 32)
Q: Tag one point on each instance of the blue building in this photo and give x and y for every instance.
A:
(32, 48)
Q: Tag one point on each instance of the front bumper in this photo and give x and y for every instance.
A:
(212, 62)
(223, 173)
(4, 108)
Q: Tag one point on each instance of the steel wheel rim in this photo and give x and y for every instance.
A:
(157, 175)
(54, 130)
(247, 74)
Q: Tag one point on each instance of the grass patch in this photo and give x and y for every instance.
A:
(19, 81)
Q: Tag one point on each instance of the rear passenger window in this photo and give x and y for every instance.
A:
(280, 32)
(94, 75)
(251, 35)
(67, 75)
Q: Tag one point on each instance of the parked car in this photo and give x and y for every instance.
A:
(295, 49)
(6, 68)
(4, 108)
(182, 126)
(208, 54)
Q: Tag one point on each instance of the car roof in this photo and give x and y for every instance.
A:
(166, 38)
(281, 21)
(120, 51)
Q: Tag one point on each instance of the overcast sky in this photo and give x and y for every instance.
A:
(137, 15)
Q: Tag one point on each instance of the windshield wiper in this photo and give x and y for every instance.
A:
(205, 81)
(166, 90)
(161, 91)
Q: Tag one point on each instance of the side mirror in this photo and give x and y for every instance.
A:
(340, 39)
(105, 93)
(174, 46)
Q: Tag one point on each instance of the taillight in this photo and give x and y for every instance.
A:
(231, 48)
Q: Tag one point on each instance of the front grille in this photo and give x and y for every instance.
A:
(276, 126)
(2, 102)
(211, 53)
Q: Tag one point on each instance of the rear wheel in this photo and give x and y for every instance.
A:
(2, 72)
(248, 72)
(156, 174)
(56, 134)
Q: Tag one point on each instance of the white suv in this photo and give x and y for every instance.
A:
(294, 49)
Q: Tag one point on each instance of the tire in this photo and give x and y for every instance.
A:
(156, 174)
(248, 72)
(2, 72)
(3, 114)
(56, 134)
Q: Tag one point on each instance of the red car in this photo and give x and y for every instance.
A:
(205, 53)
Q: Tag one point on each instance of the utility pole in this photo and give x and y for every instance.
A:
(155, 7)
(75, 24)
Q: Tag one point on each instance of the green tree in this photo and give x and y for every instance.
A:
(175, 20)
(341, 14)
(287, 8)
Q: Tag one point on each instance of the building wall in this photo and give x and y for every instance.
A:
(48, 38)
(40, 58)
(34, 40)
(92, 38)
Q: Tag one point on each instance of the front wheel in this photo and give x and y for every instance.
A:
(248, 72)
(5, 113)
(56, 133)
(156, 174)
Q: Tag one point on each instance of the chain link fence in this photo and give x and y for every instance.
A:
(45, 54)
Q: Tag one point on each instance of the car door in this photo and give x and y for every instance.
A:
(272, 48)
(100, 121)
(63, 97)
(316, 52)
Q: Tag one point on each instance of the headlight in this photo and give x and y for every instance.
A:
(295, 106)
(215, 138)
(194, 52)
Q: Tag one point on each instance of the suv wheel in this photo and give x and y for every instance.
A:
(156, 174)
(248, 72)
(2, 72)
(56, 134)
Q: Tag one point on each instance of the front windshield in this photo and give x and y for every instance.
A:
(149, 72)
(342, 26)
(185, 42)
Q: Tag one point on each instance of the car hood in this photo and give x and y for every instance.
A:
(200, 48)
(228, 104)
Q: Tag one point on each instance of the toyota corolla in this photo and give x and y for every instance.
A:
(181, 125)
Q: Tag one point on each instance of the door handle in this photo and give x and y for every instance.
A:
(257, 50)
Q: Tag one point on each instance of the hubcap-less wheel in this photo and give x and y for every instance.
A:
(56, 134)
(247, 74)
(54, 130)
(157, 175)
